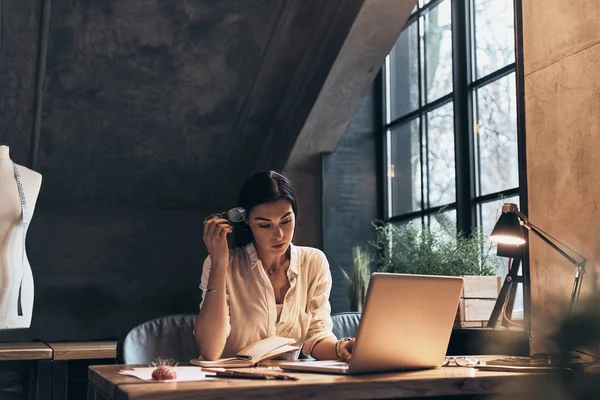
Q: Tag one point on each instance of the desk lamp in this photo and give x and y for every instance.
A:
(508, 231)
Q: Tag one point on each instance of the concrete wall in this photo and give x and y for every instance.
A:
(562, 100)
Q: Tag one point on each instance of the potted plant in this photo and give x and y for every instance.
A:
(413, 249)
(358, 280)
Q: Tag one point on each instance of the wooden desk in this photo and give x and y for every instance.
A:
(106, 383)
(63, 352)
(34, 357)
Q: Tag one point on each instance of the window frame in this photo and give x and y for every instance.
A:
(464, 87)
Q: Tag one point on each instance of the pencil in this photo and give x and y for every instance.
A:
(227, 373)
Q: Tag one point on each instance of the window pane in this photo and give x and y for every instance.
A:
(416, 222)
(404, 171)
(444, 222)
(438, 51)
(496, 140)
(494, 35)
(441, 180)
(404, 73)
(423, 3)
(488, 214)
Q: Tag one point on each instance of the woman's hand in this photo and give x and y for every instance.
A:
(345, 349)
(215, 238)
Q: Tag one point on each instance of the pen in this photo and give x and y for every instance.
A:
(226, 373)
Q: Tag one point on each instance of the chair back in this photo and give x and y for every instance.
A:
(345, 324)
(169, 337)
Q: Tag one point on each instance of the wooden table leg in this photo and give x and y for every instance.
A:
(91, 392)
(43, 387)
(95, 394)
(60, 379)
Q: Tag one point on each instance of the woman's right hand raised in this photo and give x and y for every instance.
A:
(215, 238)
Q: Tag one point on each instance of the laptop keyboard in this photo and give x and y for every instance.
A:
(335, 364)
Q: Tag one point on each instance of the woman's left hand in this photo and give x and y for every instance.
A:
(346, 350)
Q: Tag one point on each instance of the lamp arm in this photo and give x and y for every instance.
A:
(580, 264)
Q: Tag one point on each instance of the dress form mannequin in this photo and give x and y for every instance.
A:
(15, 272)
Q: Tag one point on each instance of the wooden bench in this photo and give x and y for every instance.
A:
(83, 350)
(33, 357)
(63, 352)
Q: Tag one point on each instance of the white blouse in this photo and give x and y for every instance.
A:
(306, 312)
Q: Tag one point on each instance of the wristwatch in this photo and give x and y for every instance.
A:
(337, 347)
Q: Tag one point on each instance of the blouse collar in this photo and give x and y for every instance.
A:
(251, 251)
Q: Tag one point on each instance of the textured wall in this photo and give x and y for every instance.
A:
(135, 101)
(18, 53)
(153, 114)
(562, 98)
(351, 196)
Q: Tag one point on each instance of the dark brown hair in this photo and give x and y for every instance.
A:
(262, 187)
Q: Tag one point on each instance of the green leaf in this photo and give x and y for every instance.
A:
(414, 249)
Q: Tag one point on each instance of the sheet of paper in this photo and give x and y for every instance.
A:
(184, 373)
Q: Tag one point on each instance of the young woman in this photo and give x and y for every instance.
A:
(265, 286)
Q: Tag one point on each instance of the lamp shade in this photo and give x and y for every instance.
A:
(508, 230)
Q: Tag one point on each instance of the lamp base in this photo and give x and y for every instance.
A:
(555, 358)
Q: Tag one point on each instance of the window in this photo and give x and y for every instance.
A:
(450, 123)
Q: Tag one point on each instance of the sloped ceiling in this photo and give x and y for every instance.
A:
(142, 99)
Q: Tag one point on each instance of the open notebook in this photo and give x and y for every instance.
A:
(252, 354)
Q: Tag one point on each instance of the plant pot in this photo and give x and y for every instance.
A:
(477, 301)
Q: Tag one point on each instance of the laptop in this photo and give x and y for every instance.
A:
(405, 325)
